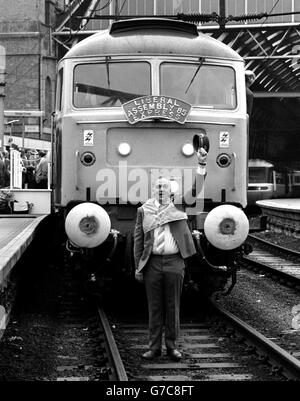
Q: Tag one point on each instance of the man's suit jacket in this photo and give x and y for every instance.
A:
(143, 243)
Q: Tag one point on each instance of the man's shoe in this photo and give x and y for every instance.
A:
(151, 354)
(174, 354)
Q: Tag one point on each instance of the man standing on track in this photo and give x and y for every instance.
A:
(162, 240)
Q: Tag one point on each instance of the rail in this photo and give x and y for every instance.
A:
(285, 269)
(118, 371)
(281, 360)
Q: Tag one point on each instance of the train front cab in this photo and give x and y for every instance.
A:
(262, 181)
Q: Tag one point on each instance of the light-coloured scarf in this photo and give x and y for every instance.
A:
(155, 217)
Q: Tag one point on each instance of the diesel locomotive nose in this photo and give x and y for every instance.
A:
(87, 225)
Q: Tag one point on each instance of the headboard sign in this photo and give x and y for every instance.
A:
(148, 107)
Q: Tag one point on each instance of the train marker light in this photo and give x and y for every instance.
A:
(187, 149)
(226, 227)
(124, 149)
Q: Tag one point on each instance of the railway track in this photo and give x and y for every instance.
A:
(221, 349)
(76, 344)
(274, 260)
(58, 335)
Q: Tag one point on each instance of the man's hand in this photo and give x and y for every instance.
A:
(139, 277)
(201, 155)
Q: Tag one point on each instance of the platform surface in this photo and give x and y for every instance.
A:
(16, 233)
(288, 204)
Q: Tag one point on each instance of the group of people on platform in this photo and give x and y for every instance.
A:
(34, 165)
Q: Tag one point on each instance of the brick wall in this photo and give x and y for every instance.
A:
(30, 54)
(22, 10)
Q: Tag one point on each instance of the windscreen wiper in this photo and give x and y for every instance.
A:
(107, 59)
(201, 61)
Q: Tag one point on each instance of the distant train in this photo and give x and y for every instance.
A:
(267, 182)
(296, 183)
(140, 97)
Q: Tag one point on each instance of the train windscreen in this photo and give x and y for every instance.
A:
(260, 175)
(110, 84)
(199, 84)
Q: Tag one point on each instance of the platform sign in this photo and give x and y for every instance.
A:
(23, 113)
(32, 128)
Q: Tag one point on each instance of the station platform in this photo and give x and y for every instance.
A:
(282, 215)
(16, 233)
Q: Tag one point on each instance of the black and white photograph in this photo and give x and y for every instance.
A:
(150, 194)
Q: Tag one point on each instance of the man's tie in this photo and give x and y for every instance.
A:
(160, 246)
(160, 240)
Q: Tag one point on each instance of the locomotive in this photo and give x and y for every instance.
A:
(133, 103)
(268, 182)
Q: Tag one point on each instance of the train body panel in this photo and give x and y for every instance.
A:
(108, 164)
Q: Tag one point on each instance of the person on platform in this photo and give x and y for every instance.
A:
(162, 241)
(2, 171)
(6, 160)
(41, 171)
(250, 78)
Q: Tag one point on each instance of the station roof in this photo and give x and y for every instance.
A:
(273, 54)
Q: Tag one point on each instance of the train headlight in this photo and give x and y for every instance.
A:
(223, 160)
(226, 227)
(124, 149)
(187, 149)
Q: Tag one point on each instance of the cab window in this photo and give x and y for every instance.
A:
(110, 84)
(203, 85)
(260, 174)
(59, 89)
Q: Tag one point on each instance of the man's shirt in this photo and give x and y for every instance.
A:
(170, 246)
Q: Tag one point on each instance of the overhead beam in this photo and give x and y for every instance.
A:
(264, 57)
(276, 94)
(64, 18)
(261, 27)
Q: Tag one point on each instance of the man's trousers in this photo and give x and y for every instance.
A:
(163, 277)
